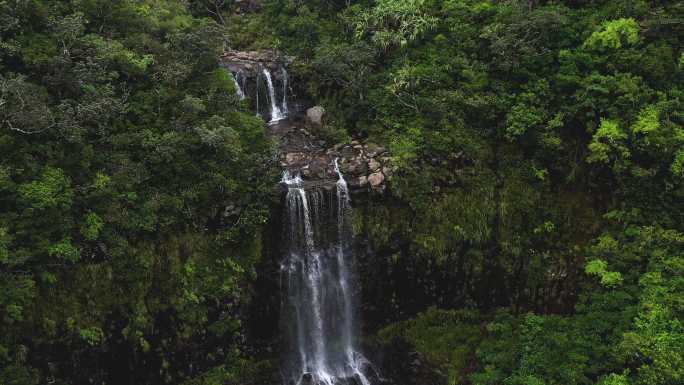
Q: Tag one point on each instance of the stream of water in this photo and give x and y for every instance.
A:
(318, 280)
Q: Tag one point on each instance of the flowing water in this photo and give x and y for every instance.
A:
(285, 109)
(238, 87)
(317, 276)
(257, 96)
(276, 113)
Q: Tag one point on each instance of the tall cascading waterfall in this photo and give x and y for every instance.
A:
(317, 277)
(276, 112)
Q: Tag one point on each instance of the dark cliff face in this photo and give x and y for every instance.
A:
(390, 288)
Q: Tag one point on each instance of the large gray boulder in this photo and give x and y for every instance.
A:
(315, 116)
(375, 179)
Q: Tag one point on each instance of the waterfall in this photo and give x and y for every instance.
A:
(251, 85)
(238, 88)
(276, 113)
(317, 277)
(257, 95)
(285, 109)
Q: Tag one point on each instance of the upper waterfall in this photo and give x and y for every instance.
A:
(261, 78)
(276, 113)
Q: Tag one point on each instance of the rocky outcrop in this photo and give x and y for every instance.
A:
(365, 166)
(250, 63)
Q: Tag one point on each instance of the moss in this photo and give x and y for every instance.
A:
(445, 339)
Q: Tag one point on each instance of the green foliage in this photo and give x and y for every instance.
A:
(614, 379)
(64, 249)
(92, 226)
(124, 144)
(677, 166)
(92, 335)
(513, 127)
(4, 246)
(405, 147)
(394, 23)
(236, 370)
(607, 143)
(52, 190)
(519, 132)
(656, 344)
(19, 375)
(648, 120)
(18, 292)
(599, 268)
(614, 34)
(519, 119)
(445, 339)
(533, 349)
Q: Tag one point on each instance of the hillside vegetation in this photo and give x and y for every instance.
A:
(532, 233)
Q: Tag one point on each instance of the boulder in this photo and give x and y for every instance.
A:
(315, 116)
(347, 152)
(319, 167)
(361, 181)
(356, 166)
(373, 165)
(375, 179)
(295, 157)
(374, 150)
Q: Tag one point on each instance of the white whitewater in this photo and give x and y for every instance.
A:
(238, 88)
(276, 113)
(257, 96)
(318, 315)
(286, 111)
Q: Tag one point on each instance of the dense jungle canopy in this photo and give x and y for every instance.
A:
(531, 234)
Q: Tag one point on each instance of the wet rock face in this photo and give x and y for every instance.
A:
(365, 166)
(250, 63)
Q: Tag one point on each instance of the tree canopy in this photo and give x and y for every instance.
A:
(532, 232)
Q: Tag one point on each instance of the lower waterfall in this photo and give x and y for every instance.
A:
(317, 277)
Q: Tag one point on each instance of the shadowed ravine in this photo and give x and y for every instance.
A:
(317, 278)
